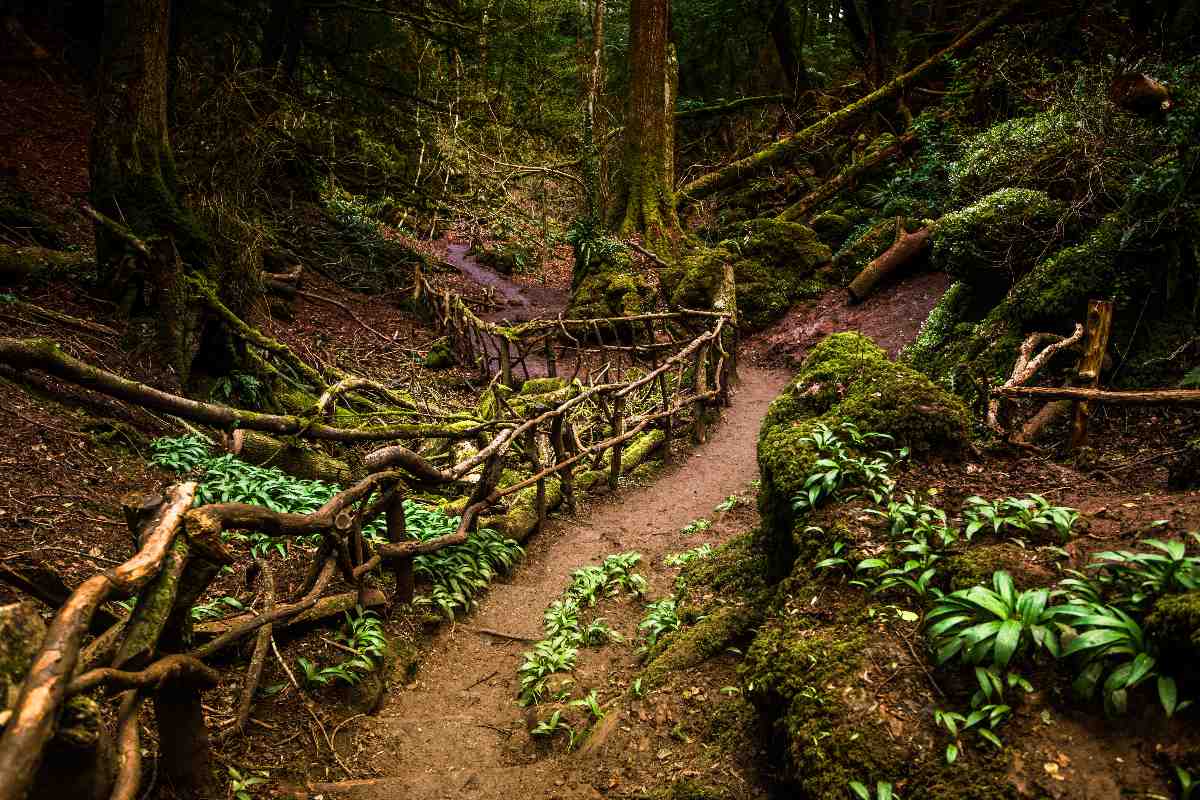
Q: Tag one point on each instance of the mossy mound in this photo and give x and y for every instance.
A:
(774, 264)
(440, 356)
(503, 257)
(611, 293)
(846, 378)
(831, 228)
(977, 564)
(807, 679)
(970, 354)
(999, 238)
(1174, 627)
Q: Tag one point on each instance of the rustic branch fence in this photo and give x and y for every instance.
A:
(630, 376)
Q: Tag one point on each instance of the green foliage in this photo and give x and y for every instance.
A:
(216, 609)
(660, 618)
(696, 526)
(240, 387)
(181, 454)
(837, 468)
(552, 725)
(363, 636)
(982, 625)
(1135, 579)
(728, 504)
(591, 703)
(1030, 514)
(688, 556)
(565, 633)
(883, 791)
(241, 784)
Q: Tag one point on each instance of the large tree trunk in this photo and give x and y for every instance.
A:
(791, 57)
(151, 257)
(595, 83)
(647, 201)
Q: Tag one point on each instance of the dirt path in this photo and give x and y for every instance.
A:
(443, 737)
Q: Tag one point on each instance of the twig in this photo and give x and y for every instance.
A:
(490, 675)
(501, 635)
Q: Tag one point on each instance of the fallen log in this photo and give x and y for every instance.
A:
(1146, 397)
(847, 179)
(733, 106)
(302, 462)
(795, 145)
(907, 248)
(46, 356)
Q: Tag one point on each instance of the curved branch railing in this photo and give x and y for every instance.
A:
(662, 381)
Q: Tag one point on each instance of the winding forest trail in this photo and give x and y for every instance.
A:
(447, 735)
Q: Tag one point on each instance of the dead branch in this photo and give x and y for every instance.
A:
(261, 643)
(45, 687)
(168, 669)
(1027, 365)
(1145, 397)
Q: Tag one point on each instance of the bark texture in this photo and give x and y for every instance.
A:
(647, 201)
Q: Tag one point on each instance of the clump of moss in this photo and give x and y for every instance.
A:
(831, 228)
(846, 378)
(1174, 627)
(441, 355)
(976, 564)
(999, 238)
(773, 264)
(612, 293)
(504, 257)
(691, 646)
(807, 679)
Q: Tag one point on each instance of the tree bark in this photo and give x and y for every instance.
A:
(791, 57)
(1147, 397)
(647, 202)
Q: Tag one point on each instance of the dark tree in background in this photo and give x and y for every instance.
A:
(134, 183)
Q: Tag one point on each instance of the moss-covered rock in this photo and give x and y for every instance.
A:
(1174, 627)
(807, 679)
(21, 634)
(996, 240)
(440, 356)
(503, 257)
(831, 228)
(846, 378)
(1035, 152)
(976, 564)
(774, 264)
(612, 294)
(692, 645)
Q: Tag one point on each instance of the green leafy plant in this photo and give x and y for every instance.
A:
(216, 609)
(180, 454)
(552, 725)
(1115, 658)
(838, 468)
(883, 791)
(979, 624)
(364, 638)
(240, 386)
(241, 784)
(547, 657)
(728, 504)
(688, 556)
(660, 618)
(1031, 514)
(1137, 579)
(1187, 784)
(696, 526)
(591, 703)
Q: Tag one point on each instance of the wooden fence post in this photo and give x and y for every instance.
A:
(402, 568)
(535, 464)
(701, 384)
(1099, 326)
(565, 474)
(506, 375)
(618, 425)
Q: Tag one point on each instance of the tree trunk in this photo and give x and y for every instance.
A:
(647, 201)
(134, 183)
(791, 58)
(906, 249)
(282, 38)
(591, 134)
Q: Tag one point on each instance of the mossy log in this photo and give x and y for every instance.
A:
(19, 264)
(798, 143)
(731, 107)
(847, 179)
(521, 519)
(294, 459)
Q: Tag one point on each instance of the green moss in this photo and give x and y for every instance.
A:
(831, 228)
(543, 385)
(441, 355)
(808, 681)
(21, 634)
(1174, 627)
(522, 517)
(999, 238)
(647, 472)
(1031, 152)
(691, 646)
(846, 378)
(772, 262)
(976, 564)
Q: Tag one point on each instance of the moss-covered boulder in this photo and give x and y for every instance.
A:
(1035, 152)
(611, 293)
(440, 356)
(994, 241)
(846, 378)
(831, 228)
(503, 257)
(1174, 627)
(978, 351)
(774, 264)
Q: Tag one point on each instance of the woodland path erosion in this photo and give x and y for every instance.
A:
(444, 738)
